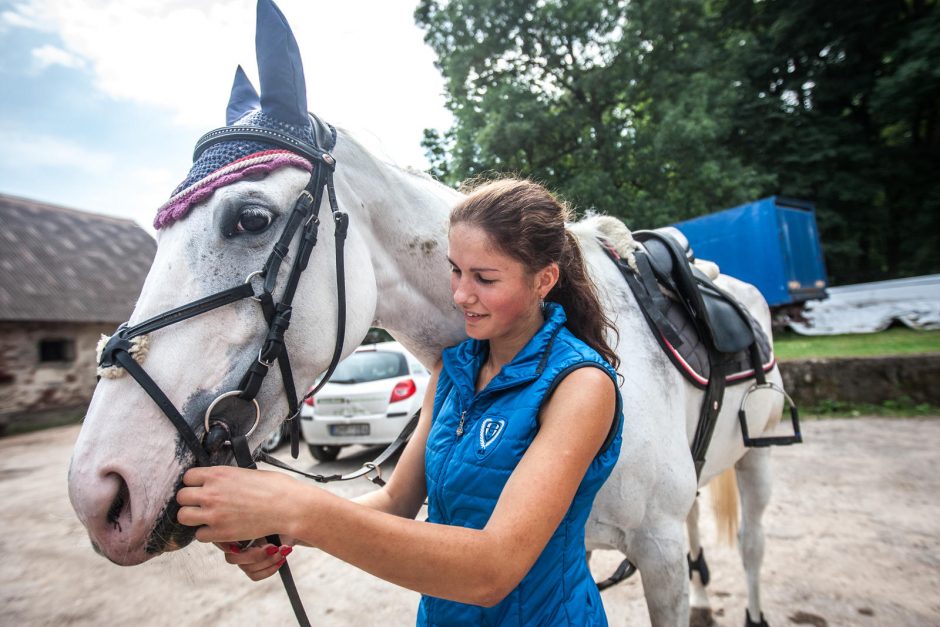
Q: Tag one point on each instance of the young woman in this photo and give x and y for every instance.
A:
(519, 429)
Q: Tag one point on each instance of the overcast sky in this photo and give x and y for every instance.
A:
(101, 101)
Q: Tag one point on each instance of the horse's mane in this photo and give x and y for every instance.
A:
(614, 232)
(410, 169)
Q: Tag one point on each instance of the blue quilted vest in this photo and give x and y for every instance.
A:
(466, 473)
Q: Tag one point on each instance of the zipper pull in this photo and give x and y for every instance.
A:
(463, 415)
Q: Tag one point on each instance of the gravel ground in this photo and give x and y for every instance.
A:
(853, 538)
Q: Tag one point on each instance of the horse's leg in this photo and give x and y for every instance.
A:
(659, 553)
(754, 486)
(701, 611)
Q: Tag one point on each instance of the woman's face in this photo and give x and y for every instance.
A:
(498, 296)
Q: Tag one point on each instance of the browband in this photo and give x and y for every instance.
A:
(315, 153)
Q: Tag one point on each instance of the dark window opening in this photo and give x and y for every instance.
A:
(56, 350)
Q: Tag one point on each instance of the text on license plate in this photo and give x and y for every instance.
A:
(353, 429)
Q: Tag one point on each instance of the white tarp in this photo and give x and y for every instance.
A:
(870, 307)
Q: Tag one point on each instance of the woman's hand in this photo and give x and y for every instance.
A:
(229, 504)
(257, 562)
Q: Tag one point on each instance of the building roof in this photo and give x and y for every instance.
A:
(65, 265)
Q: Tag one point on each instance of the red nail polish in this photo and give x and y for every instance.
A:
(234, 548)
(285, 550)
(271, 550)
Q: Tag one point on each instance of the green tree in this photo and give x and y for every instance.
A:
(621, 107)
(842, 104)
(660, 111)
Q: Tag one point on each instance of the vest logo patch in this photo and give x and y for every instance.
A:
(490, 430)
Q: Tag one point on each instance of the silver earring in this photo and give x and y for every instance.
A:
(542, 304)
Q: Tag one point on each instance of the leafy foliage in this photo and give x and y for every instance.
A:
(844, 109)
(657, 112)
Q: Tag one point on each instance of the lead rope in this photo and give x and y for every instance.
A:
(364, 470)
(243, 457)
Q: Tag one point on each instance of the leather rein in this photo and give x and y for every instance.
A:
(304, 218)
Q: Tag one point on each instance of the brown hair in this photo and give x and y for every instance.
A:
(525, 221)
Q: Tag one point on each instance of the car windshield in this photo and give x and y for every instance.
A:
(370, 366)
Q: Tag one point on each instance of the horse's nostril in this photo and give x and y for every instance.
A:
(120, 504)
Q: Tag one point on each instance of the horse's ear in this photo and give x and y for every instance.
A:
(283, 89)
(244, 98)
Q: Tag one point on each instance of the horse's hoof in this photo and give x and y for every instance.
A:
(701, 617)
(749, 623)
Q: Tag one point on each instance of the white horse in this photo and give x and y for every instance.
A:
(129, 459)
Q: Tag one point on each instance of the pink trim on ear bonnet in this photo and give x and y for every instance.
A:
(255, 164)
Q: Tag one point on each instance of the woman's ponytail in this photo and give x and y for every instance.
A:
(575, 292)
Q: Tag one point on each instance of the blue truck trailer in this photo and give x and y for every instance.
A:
(772, 243)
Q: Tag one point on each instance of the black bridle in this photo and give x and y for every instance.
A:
(303, 218)
(220, 431)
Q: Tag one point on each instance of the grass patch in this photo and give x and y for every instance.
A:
(894, 341)
(903, 407)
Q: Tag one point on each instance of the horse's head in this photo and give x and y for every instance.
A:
(217, 231)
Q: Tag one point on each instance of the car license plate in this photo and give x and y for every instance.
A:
(353, 429)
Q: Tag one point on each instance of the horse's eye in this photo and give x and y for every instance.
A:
(253, 220)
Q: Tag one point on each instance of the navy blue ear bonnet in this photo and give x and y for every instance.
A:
(223, 153)
(281, 106)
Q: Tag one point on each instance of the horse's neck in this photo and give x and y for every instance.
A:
(403, 218)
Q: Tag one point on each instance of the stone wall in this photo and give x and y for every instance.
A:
(30, 385)
(863, 379)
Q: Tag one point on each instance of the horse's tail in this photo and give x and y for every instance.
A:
(724, 496)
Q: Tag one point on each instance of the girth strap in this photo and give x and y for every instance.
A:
(708, 413)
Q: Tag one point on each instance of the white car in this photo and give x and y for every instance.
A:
(368, 400)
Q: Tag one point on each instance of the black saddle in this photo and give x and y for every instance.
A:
(700, 315)
(717, 314)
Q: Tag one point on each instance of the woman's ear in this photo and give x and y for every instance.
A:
(546, 279)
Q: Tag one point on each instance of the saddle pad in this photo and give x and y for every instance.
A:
(691, 356)
(687, 350)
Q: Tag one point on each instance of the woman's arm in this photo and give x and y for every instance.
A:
(467, 565)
